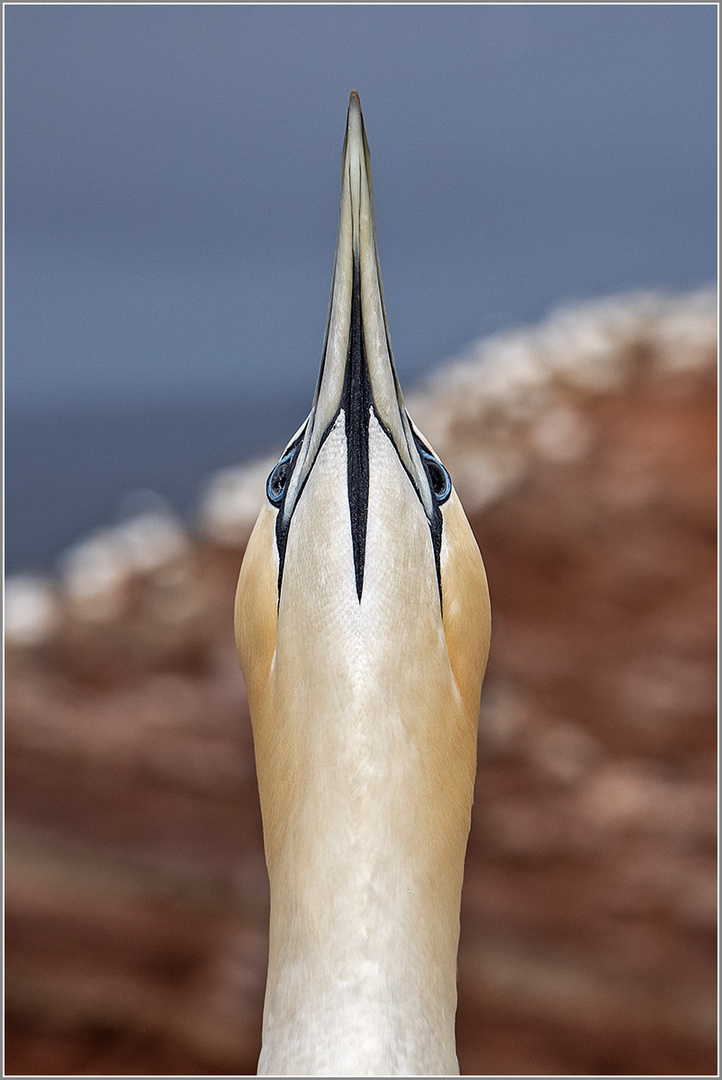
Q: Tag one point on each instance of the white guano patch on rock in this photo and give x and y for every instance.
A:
(95, 572)
(32, 611)
(231, 502)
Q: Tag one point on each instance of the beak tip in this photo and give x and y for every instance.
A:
(354, 106)
(354, 124)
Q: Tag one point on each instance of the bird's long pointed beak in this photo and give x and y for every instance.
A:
(357, 368)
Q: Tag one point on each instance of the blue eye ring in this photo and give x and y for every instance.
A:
(438, 477)
(279, 477)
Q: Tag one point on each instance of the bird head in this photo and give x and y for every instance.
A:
(362, 543)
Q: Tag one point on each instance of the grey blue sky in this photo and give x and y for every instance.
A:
(172, 180)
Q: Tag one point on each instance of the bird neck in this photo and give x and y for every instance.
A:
(365, 847)
(364, 926)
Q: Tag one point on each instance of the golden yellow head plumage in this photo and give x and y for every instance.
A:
(362, 624)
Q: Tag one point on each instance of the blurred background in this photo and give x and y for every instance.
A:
(545, 182)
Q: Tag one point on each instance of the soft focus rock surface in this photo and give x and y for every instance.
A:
(136, 908)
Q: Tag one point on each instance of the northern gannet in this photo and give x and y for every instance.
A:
(362, 625)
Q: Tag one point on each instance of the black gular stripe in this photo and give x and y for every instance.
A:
(357, 402)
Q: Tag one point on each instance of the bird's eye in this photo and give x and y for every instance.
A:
(440, 479)
(277, 481)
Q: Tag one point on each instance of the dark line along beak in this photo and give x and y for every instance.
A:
(357, 333)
